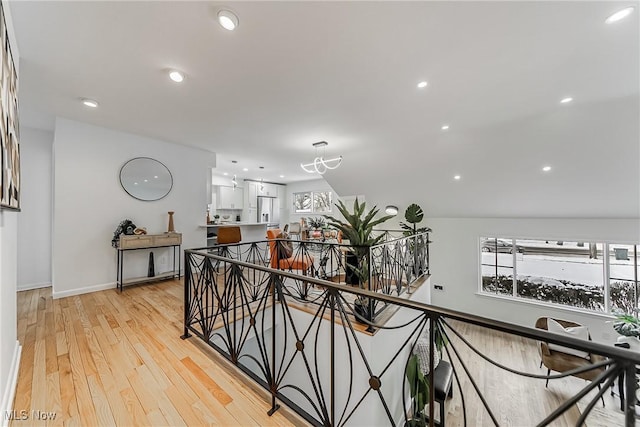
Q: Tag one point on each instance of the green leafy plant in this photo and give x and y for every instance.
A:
(419, 382)
(317, 223)
(419, 392)
(413, 215)
(357, 227)
(627, 325)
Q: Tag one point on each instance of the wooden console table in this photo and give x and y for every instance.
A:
(148, 241)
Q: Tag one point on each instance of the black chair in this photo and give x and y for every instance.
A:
(442, 383)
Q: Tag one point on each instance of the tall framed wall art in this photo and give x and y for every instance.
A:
(9, 126)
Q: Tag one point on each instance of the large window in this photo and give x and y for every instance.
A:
(623, 277)
(312, 201)
(595, 276)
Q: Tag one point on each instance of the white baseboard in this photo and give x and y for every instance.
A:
(85, 290)
(12, 382)
(31, 286)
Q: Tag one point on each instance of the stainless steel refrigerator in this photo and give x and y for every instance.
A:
(268, 209)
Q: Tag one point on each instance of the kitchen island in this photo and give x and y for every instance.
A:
(250, 231)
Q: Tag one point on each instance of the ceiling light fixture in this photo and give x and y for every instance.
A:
(261, 185)
(566, 100)
(546, 168)
(176, 76)
(320, 164)
(621, 14)
(391, 210)
(234, 181)
(281, 176)
(225, 174)
(228, 20)
(90, 103)
(445, 127)
(457, 177)
(422, 85)
(245, 169)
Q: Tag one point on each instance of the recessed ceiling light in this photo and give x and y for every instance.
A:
(422, 85)
(225, 174)
(457, 177)
(245, 169)
(90, 102)
(261, 167)
(228, 20)
(281, 176)
(566, 100)
(176, 76)
(445, 127)
(621, 14)
(546, 168)
(155, 176)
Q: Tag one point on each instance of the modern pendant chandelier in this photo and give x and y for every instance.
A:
(234, 181)
(320, 164)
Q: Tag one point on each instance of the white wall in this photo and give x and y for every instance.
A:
(9, 346)
(34, 221)
(454, 262)
(89, 203)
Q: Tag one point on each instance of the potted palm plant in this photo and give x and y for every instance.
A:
(357, 227)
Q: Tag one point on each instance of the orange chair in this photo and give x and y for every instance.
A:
(228, 235)
(294, 262)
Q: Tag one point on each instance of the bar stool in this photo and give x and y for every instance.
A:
(228, 235)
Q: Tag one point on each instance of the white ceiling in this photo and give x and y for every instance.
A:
(294, 73)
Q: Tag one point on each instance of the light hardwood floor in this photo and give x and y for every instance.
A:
(111, 359)
(107, 358)
(517, 400)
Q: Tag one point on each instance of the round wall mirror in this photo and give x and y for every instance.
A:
(146, 179)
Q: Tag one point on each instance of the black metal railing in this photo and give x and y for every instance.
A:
(332, 365)
(392, 266)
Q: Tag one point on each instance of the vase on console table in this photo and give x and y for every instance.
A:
(171, 228)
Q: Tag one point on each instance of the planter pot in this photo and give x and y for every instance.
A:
(350, 276)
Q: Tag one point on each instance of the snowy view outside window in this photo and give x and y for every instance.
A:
(577, 274)
(623, 277)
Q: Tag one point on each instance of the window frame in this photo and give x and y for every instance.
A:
(606, 274)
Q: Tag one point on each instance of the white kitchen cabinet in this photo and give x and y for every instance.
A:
(230, 198)
(253, 194)
(270, 190)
